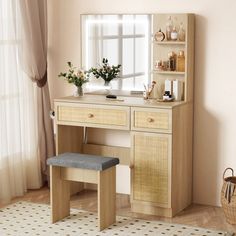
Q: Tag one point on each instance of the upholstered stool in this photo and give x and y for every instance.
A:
(83, 168)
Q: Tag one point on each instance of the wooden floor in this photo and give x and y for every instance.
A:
(196, 215)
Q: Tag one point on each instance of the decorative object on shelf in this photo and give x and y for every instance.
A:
(171, 61)
(174, 34)
(159, 65)
(77, 77)
(181, 61)
(106, 72)
(181, 34)
(165, 65)
(148, 90)
(159, 36)
(177, 90)
(175, 63)
(169, 28)
(228, 196)
(167, 96)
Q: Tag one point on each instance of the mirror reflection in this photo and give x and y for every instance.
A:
(122, 39)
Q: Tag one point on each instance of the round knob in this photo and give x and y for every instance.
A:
(150, 119)
(90, 115)
(131, 166)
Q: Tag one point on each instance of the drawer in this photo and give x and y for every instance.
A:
(93, 115)
(146, 119)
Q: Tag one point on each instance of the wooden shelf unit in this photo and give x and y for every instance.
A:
(161, 49)
(161, 158)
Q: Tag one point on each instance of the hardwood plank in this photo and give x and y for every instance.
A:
(60, 195)
(106, 197)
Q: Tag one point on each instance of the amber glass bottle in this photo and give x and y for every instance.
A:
(181, 61)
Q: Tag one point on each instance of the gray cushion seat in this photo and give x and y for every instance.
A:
(83, 161)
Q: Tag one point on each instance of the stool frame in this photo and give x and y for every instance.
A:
(60, 178)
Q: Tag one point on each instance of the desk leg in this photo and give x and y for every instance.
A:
(106, 197)
(59, 195)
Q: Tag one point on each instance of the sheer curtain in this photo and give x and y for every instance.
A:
(19, 154)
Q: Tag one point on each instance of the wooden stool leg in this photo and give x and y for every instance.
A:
(106, 197)
(59, 195)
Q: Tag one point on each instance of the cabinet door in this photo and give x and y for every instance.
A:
(151, 158)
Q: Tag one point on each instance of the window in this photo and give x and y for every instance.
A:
(122, 39)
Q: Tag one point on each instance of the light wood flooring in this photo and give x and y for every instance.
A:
(195, 215)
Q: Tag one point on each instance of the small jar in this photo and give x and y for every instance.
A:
(158, 65)
(167, 95)
(165, 65)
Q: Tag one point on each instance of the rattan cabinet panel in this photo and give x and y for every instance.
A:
(151, 167)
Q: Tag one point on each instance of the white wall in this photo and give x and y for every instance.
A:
(215, 80)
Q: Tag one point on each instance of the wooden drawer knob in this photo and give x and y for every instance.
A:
(150, 120)
(131, 166)
(90, 115)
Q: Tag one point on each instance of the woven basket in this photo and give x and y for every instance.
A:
(229, 208)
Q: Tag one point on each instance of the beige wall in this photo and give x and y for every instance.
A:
(215, 80)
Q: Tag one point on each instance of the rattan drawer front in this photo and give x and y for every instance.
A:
(149, 119)
(151, 167)
(94, 115)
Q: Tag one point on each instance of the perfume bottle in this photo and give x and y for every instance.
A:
(169, 28)
(174, 34)
(181, 34)
(181, 61)
(159, 36)
(171, 61)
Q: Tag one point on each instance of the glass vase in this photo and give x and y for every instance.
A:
(107, 83)
(79, 92)
(107, 86)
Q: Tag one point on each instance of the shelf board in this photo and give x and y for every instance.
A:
(170, 43)
(168, 72)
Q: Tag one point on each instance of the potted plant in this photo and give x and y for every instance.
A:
(105, 71)
(77, 77)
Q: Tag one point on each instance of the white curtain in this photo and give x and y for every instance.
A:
(19, 154)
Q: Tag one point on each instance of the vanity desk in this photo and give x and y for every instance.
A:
(160, 150)
(160, 154)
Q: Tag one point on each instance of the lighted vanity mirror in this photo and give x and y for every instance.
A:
(122, 39)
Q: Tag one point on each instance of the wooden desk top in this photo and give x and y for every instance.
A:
(121, 101)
